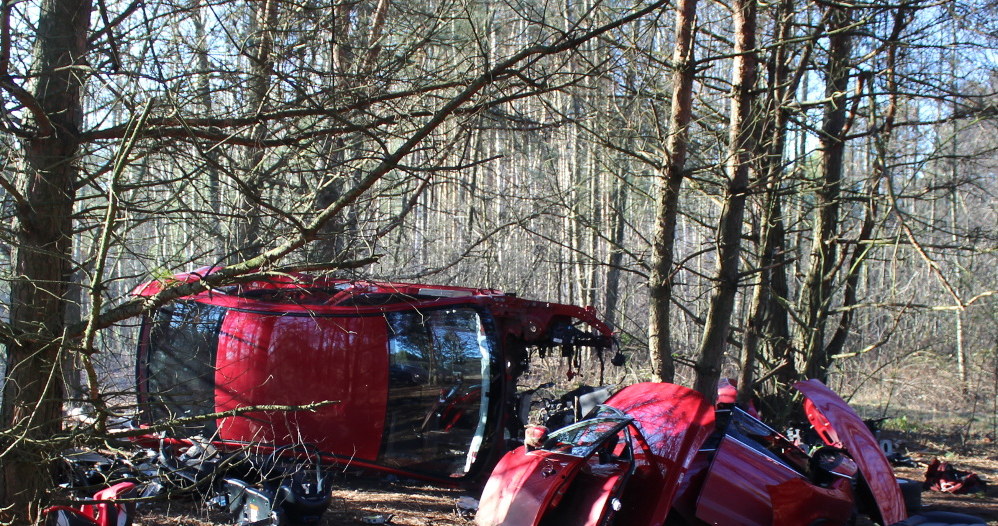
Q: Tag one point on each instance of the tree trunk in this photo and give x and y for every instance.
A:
(333, 241)
(817, 286)
(740, 149)
(618, 203)
(766, 319)
(882, 140)
(211, 156)
(249, 240)
(667, 204)
(33, 395)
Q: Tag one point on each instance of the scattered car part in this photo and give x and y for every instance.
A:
(579, 474)
(377, 519)
(193, 469)
(80, 469)
(110, 508)
(466, 507)
(291, 493)
(942, 476)
(839, 426)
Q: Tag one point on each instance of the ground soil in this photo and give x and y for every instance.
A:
(358, 500)
(980, 457)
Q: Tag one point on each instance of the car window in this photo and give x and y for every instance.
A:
(439, 377)
(583, 438)
(766, 440)
(181, 346)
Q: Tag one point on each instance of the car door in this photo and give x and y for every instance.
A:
(573, 479)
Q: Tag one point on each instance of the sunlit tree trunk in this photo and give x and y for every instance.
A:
(249, 239)
(817, 286)
(668, 183)
(766, 318)
(740, 150)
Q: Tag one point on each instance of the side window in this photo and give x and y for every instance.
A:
(438, 375)
(180, 360)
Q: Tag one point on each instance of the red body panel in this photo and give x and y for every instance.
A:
(797, 502)
(670, 422)
(524, 485)
(840, 426)
(748, 488)
(298, 360)
(736, 490)
(106, 509)
(674, 421)
(598, 484)
(321, 296)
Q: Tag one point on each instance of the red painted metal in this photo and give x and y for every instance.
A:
(748, 488)
(110, 507)
(295, 339)
(673, 421)
(267, 359)
(524, 485)
(680, 469)
(316, 295)
(840, 426)
(669, 423)
(797, 502)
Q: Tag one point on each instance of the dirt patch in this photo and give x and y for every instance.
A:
(415, 504)
(354, 501)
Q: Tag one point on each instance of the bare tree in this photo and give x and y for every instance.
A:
(729, 231)
(660, 282)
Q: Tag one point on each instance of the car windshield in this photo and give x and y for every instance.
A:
(585, 437)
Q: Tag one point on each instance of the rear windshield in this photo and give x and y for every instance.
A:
(180, 361)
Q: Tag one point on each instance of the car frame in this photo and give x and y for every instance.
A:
(412, 379)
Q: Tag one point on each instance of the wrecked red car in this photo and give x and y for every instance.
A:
(659, 453)
(420, 380)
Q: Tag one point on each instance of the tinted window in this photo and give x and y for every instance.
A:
(583, 438)
(180, 360)
(438, 394)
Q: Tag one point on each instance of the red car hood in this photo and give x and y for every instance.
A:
(841, 427)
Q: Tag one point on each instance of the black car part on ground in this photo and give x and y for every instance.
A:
(291, 492)
(194, 469)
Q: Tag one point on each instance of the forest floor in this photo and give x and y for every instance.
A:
(378, 501)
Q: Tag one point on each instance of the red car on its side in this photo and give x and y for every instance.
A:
(419, 380)
(658, 453)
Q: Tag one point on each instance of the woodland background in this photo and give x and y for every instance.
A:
(769, 191)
